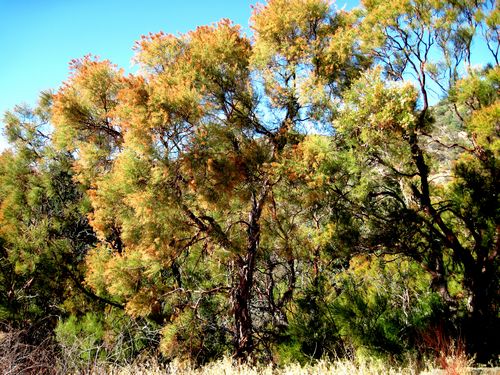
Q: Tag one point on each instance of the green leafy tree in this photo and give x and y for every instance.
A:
(422, 199)
(44, 229)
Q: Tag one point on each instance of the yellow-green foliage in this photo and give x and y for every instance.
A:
(199, 196)
(479, 94)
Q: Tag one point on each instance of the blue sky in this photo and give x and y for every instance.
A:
(38, 38)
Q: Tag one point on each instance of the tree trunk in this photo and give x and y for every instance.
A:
(241, 305)
(242, 292)
(483, 325)
(439, 282)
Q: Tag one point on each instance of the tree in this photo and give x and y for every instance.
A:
(414, 207)
(183, 163)
(44, 230)
(240, 193)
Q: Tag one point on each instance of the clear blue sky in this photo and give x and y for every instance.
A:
(38, 38)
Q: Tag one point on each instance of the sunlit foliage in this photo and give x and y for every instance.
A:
(328, 185)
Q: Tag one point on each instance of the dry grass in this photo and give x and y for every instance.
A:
(455, 366)
(17, 357)
(228, 367)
